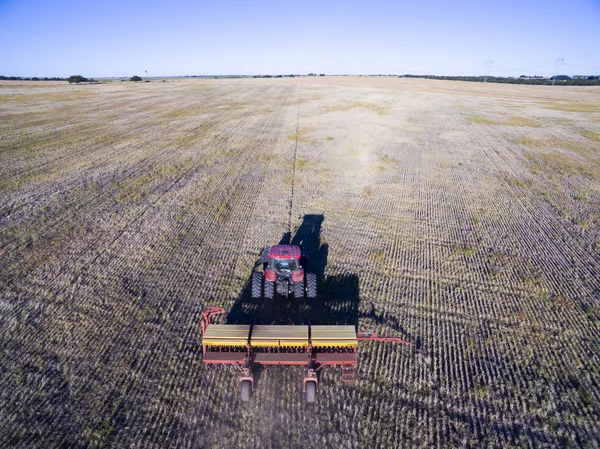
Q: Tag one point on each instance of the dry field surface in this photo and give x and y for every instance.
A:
(463, 217)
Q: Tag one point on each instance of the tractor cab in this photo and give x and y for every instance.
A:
(284, 259)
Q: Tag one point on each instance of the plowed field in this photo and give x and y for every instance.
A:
(462, 217)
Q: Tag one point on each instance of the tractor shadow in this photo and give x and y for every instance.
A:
(337, 296)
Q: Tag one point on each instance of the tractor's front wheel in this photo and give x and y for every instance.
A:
(269, 289)
(311, 285)
(257, 280)
(299, 290)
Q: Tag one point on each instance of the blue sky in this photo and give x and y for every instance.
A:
(168, 38)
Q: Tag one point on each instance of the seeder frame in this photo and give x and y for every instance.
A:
(312, 357)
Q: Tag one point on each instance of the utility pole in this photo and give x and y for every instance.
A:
(487, 67)
(557, 65)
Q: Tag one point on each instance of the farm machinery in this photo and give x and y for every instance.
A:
(312, 346)
(284, 273)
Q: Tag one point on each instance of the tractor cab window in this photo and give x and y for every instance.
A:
(285, 265)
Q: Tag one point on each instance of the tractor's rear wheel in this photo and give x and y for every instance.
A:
(299, 290)
(246, 390)
(311, 391)
(257, 279)
(311, 286)
(269, 290)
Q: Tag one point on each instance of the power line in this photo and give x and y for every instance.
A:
(522, 69)
(584, 66)
(547, 70)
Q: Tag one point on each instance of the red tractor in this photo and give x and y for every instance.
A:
(284, 267)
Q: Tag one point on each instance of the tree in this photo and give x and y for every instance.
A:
(76, 79)
(135, 78)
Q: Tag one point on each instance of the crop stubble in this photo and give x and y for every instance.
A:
(461, 217)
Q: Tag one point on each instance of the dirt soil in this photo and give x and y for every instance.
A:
(464, 217)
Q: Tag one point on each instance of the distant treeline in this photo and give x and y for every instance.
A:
(72, 79)
(563, 80)
(33, 78)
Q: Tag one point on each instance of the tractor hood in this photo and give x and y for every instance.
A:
(285, 252)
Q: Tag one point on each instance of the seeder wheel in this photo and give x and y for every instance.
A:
(246, 390)
(311, 391)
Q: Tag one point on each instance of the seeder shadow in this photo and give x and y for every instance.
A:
(391, 322)
(337, 296)
(337, 301)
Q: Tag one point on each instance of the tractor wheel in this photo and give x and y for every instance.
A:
(311, 391)
(311, 286)
(299, 290)
(269, 290)
(257, 279)
(246, 390)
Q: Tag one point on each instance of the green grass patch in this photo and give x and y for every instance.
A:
(350, 105)
(466, 250)
(35, 97)
(515, 182)
(560, 163)
(301, 136)
(133, 189)
(533, 141)
(186, 112)
(50, 174)
(564, 303)
(590, 135)
(385, 161)
(511, 121)
(13, 98)
(521, 121)
(481, 391)
(586, 396)
(301, 162)
(572, 107)
(584, 148)
(479, 119)
(377, 256)
(136, 188)
(63, 95)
